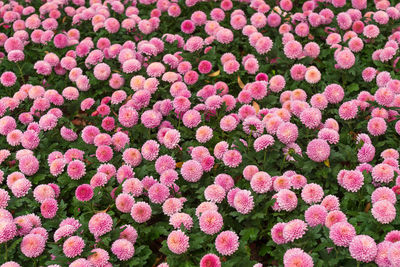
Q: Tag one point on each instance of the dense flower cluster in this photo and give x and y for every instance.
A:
(186, 133)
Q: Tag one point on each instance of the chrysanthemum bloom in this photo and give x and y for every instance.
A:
(123, 249)
(49, 208)
(124, 202)
(129, 233)
(8, 229)
(178, 242)
(285, 200)
(331, 202)
(311, 117)
(4, 198)
(277, 233)
(100, 224)
(227, 243)
(382, 173)
(249, 171)
(371, 31)
(294, 229)
(342, 233)
(99, 257)
(172, 205)
(214, 193)
(287, 133)
(242, 201)
(297, 257)
(43, 192)
(64, 231)
(33, 245)
(383, 211)
(102, 71)
(318, 150)
(261, 182)
(383, 193)
(28, 165)
(210, 260)
(377, 126)
(293, 49)
(366, 153)
(363, 248)
(141, 212)
(351, 180)
(73, 246)
(232, 158)
(312, 193)
(8, 78)
(334, 93)
(158, 193)
(76, 169)
(315, 215)
(211, 222)
(192, 171)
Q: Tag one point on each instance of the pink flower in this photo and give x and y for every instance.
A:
(141, 212)
(100, 224)
(123, 249)
(342, 233)
(178, 242)
(210, 222)
(294, 229)
(312, 193)
(73, 246)
(261, 182)
(84, 192)
(210, 260)
(8, 78)
(232, 158)
(318, 150)
(33, 245)
(383, 211)
(227, 243)
(363, 248)
(297, 256)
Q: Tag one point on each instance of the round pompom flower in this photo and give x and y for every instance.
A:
(312, 193)
(84, 192)
(100, 224)
(204, 134)
(318, 150)
(294, 229)
(227, 243)
(311, 117)
(383, 211)
(210, 260)
(192, 171)
(32, 245)
(123, 249)
(394, 254)
(315, 215)
(76, 169)
(8, 229)
(178, 242)
(8, 78)
(363, 248)
(49, 208)
(99, 257)
(211, 222)
(286, 200)
(261, 182)
(28, 165)
(376, 126)
(287, 132)
(243, 201)
(141, 212)
(342, 233)
(277, 233)
(158, 193)
(73, 246)
(382, 173)
(297, 257)
(214, 193)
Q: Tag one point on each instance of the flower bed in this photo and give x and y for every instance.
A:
(212, 133)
